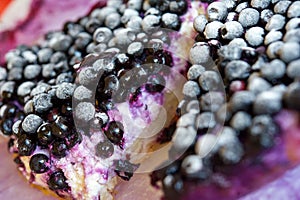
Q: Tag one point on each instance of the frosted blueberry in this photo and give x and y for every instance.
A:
(292, 96)
(217, 11)
(191, 89)
(28, 107)
(292, 24)
(211, 30)
(29, 56)
(231, 30)
(113, 20)
(60, 42)
(16, 62)
(294, 10)
(40, 88)
(293, 69)
(125, 37)
(185, 120)
(281, 7)
(42, 102)
(230, 52)
(292, 35)
(199, 53)
(170, 21)
(48, 70)
(212, 101)
(267, 102)
(237, 69)
(238, 42)
(272, 36)
(128, 13)
(134, 4)
(193, 107)
(273, 70)
(230, 4)
(276, 22)
(82, 93)
(65, 90)
(3, 73)
(195, 71)
(153, 11)
(25, 88)
(15, 74)
(248, 17)
(273, 49)
(255, 36)
(266, 15)
(206, 144)
(135, 48)
(199, 23)
(260, 4)
(150, 23)
(210, 80)
(184, 137)
(240, 121)
(102, 34)
(257, 85)
(32, 71)
(192, 164)
(7, 89)
(232, 16)
(135, 23)
(87, 76)
(31, 123)
(85, 111)
(289, 51)
(224, 113)
(241, 6)
(241, 100)
(205, 120)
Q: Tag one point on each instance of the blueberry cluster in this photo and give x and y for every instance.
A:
(245, 68)
(39, 87)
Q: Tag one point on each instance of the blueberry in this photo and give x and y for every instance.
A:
(195, 57)
(205, 120)
(150, 23)
(241, 6)
(135, 48)
(210, 80)
(16, 62)
(134, 4)
(72, 29)
(59, 148)
(193, 107)
(48, 70)
(293, 69)
(101, 119)
(6, 126)
(115, 132)
(82, 40)
(124, 169)
(64, 78)
(281, 7)
(65, 90)
(237, 42)
(42, 103)
(273, 49)
(25, 88)
(44, 134)
(257, 85)
(58, 57)
(248, 17)
(195, 71)
(152, 11)
(3, 74)
(31, 123)
(40, 88)
(241, 121)
(272, 36)
(170, 21)
(199, 23)
(104, 149)
(7, 89)
(294, 9)
(60, 128)
(231, 30)
(15, 74)
(185, 120)
(26, 145)
(292, 35)
(212, 30)
(292, 24)
(84, 111)
(292, 97)
(266, 15)
(87, 76)
(192, 164)
(39, 163)
(183, 138)
(217, 11)
(102, 34)
(32, 71)
(82, 93)
(260, 4)
(289, 51)
(128, 13)
(241, 100)
(57, 181)
(237, 69)
(212, 101)
(16, 128)
(60, 42)
(255, 36)
(267, 102)
(273, 70)
(113, 20)
(135, 23)
(30, 56)
(276, 22)
(178, 7)
(191, 89)
(155, 83)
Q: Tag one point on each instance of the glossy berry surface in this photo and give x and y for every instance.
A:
(39, 163)
(115, 132)
(104, 149)
(57, 181)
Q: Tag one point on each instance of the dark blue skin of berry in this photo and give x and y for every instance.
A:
(26, 145)
(5, 126)
(104, 149)
(39, 163)
(115, 132)
(59, 148)
(57, 181)
(44, 134)
(60, 128)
